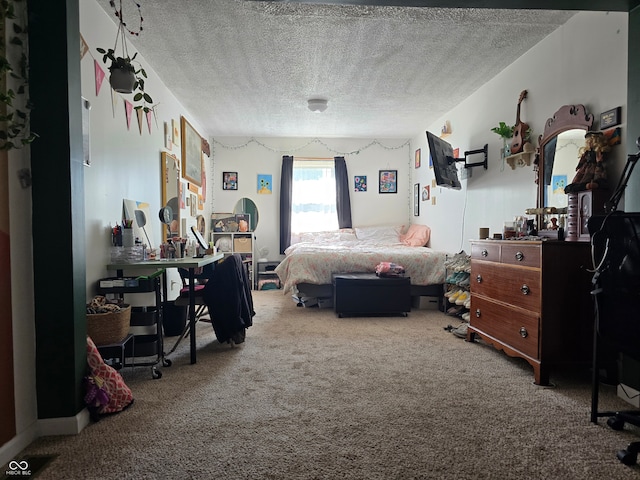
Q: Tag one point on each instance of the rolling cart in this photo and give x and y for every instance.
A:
(146, 322)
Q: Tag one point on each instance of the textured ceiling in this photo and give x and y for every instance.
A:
(247, 68)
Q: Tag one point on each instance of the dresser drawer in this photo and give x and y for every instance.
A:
(513, 285)
(518, 253)
(486, 251)
(511, 326)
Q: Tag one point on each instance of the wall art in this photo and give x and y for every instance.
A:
(230, 180)
(191, 152)
(388, 181)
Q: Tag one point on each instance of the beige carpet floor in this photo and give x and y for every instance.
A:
(312, 396)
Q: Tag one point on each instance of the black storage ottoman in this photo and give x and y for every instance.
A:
(368, 294)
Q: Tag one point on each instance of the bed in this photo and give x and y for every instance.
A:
(306, 271)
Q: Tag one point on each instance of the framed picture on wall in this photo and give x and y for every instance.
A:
(418, 158)
(265, 184)
(416, 200)
(191, 153)
(388, 181)
(229, 180)
(193, 205)
(426, 193)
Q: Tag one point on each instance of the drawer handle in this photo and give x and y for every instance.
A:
(484, 253)
(479, 278)
(519, 256)
(477, 313)
(525, 289)
(523, 332)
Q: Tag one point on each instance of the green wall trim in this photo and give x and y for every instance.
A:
(58, 207)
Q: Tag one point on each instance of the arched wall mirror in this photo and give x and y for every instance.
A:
(170, 167)
(246, 205)
(563, 136)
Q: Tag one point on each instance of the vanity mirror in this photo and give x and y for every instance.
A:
(558, 146)
(246, 205)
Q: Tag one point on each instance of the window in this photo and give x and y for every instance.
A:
(313, 202)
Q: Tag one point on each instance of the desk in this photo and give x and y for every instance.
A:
(188, 263)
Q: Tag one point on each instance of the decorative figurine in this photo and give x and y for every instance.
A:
(590, 172)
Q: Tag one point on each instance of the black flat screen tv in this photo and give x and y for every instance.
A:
(444, 164)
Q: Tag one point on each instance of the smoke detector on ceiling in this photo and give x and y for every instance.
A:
(317, 105)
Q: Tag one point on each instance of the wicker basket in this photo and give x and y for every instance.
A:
(111, 327)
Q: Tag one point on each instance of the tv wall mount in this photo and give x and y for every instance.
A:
(484, 163)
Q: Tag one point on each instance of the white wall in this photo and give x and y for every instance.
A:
(583, 62)
(124, 163)
(250, 157)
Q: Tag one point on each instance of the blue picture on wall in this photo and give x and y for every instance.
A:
(265, 184)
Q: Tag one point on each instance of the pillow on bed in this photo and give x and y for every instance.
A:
(383, 234)
(416, 236)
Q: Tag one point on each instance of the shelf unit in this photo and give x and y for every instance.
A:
(457, 270)
(241, 243)
(265, 271)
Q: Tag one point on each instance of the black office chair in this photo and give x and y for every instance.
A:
(183, 300)
(615, 241)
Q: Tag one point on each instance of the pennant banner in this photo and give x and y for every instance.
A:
(84, 48)
(139, 113)
(128, 108)
(149, 120)
(99, 76)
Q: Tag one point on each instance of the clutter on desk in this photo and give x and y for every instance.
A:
(178, 247)
(137, 253)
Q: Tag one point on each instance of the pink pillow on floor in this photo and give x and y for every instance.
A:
(110, 381)
(416, 236)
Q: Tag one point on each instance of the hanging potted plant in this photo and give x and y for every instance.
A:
(123, 74)
(125, 77)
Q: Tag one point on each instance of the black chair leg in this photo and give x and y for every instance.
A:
(629, 456)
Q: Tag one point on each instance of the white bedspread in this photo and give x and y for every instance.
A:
(315, 262)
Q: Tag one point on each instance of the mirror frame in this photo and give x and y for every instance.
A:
(567, 117)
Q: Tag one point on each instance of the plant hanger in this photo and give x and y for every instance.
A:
(125, 78)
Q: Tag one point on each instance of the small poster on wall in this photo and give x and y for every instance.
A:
(229, 180)
(264, 184)
(426, 193)
(388, 181)
(360, 183)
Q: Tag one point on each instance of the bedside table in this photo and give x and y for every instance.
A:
(265, 274)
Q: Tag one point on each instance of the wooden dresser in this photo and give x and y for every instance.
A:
(532, 300)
